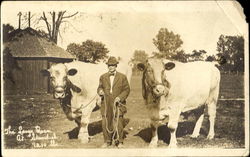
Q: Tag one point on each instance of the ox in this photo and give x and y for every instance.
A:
(75, 85)
(171, 88)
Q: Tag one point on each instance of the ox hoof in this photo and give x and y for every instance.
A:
(83, 138)
(210, 137)
(194, 136)
(84, 141)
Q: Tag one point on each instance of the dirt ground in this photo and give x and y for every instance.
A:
(28, 111)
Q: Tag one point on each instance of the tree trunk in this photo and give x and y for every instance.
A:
(29, 18)
(53, 28)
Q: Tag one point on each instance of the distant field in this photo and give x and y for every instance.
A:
(31, 110)
(232, 86)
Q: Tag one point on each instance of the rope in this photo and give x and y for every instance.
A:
(115, 120)
(81, 107)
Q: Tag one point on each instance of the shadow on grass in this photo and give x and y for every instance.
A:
(93, 129)
(184, 128)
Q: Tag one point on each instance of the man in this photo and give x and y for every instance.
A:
(114, 90)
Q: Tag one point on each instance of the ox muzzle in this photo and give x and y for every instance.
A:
(59, 92)
(160, 90)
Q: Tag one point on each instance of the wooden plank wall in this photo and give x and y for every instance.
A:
(29, 79)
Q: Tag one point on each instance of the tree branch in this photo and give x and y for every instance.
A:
(69, 15)
(47, 24)
(64, 21)
(53, 23)
(59, 18)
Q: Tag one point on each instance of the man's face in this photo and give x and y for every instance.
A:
(112, 68)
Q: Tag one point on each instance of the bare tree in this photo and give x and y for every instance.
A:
(56, 20)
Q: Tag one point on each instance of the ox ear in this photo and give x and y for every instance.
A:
(169, 65)
(72, 72)
(141, 66)
(45, 72)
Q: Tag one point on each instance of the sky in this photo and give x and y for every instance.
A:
(128, 26)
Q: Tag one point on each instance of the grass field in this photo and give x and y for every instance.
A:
(29, 111)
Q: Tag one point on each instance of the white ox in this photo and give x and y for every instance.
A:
(75, 84)
(171, 88)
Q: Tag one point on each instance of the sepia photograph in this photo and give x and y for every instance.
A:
(124, 78)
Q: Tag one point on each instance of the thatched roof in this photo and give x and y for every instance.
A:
(28, 43)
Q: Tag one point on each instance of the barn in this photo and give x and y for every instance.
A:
(24, 56)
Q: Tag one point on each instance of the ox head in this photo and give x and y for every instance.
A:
(152, 79)
(59, 78)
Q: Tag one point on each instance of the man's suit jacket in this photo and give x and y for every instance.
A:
(120, 88)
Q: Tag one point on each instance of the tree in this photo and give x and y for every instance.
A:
(56, 20)
(167, 43)
(139, 56)
(232, 49)
(210, 58)
(53, 21)
(197, 55)
(238, 56)
(88, 51)
(7, 28)
(180, 56)
(77, 50)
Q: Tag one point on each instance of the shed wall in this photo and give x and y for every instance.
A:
(28, 79)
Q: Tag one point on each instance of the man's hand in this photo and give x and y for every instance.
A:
(117, 100)
(101, 92)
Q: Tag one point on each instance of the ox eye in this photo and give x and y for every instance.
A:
(52, 78)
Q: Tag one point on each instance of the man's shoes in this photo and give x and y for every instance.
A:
(120, 145)
(106, 145)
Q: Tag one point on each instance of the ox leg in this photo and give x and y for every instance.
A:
(211, 107)
(212, 115)
(154, 140)
(172, 125)
(197, 127)
(83, 132)
(78, 122)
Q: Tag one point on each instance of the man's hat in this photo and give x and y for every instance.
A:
(112, 61)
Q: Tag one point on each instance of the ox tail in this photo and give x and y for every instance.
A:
(214, 89)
